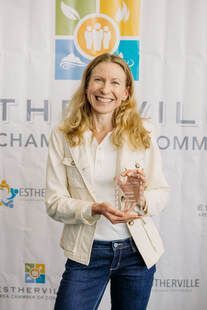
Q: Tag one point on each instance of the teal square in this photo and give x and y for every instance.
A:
(129, 50)
(41, 279)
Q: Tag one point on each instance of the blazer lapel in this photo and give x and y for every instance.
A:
(82, 160)
(126, 158)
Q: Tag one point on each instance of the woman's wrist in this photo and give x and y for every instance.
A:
(95, 208)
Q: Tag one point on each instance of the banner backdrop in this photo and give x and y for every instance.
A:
(44, 48)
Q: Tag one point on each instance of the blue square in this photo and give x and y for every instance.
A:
(28, 278)
(69, 63)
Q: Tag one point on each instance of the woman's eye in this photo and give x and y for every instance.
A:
(115, 83)
(97, 79)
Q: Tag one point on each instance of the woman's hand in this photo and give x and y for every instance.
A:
(113, 215)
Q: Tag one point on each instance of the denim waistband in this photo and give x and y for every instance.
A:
(122, 243)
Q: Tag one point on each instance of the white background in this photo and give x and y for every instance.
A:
(173, 71)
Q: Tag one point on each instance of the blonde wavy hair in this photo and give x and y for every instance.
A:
(126, 121)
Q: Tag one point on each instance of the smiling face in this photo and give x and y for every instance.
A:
(106, 88)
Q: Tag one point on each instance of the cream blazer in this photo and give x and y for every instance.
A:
(70, 195)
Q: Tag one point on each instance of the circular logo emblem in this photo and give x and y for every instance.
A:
(35, 273)
(96, 34)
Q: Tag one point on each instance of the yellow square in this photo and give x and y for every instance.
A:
(41, 268)
(125, 13)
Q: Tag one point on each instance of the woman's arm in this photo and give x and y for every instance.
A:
(157, 191)
(59, 203)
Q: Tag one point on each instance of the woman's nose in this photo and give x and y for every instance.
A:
(105, 88)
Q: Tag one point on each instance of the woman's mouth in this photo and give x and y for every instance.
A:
(103, 99)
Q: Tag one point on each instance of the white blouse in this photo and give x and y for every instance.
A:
(103, 163)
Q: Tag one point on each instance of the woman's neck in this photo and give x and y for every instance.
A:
(102, 123)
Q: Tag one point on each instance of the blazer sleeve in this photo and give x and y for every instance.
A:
(157, 191)
(59, 204)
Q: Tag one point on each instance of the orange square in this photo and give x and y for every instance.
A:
(125, 13)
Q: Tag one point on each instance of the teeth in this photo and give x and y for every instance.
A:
(105, 100)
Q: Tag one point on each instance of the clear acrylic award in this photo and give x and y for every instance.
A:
(128, 188)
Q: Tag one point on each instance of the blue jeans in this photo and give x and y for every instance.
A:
(82, 287)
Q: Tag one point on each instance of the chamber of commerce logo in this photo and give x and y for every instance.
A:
(34, 273)
(86, 29)
(7, 194)
(176, 284)
(202, 210)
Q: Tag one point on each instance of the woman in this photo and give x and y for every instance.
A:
(104, 182)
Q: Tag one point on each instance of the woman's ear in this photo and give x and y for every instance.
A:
(126, 94)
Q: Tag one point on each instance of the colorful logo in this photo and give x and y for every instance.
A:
(34, 273)
(86, 29)
(7, 194)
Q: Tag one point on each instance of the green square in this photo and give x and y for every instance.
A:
(28, 267)
(69, 12)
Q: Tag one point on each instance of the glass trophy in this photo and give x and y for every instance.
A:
(128, 191)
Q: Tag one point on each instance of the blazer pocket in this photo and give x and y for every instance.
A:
(73, 175)
(153, 236)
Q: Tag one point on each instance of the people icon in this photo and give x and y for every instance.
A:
(6, 200)
(14, 192)
(88, 37)
(97, 37)
(106, 37)
(5, 185)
